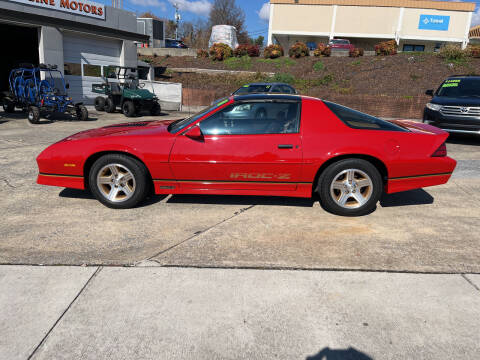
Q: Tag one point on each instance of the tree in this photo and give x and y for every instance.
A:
(226, 12)
(150, 15)
(170, 27)
(258, 41)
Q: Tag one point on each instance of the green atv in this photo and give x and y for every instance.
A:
(127, 93)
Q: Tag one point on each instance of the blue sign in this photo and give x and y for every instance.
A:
(434, 22)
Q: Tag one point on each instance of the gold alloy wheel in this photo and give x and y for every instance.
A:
(116, 183)
(351, 188)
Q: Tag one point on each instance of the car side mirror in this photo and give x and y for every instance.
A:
(141, 85)
(67, 86)
(429, 92)
(195, 133)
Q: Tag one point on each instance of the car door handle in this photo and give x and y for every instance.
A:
(285, 146)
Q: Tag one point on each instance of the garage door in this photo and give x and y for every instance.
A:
(86, 59)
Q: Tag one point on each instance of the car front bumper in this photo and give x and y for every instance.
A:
(452, 123)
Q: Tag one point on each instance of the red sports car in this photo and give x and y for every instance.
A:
(262, 144)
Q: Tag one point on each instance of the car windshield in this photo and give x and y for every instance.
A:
(248, 89)
(181, 124)
(466, 87)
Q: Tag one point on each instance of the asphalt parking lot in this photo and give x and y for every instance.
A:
(429, 230)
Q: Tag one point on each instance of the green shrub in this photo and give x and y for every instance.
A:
(318, 66)
(322, 50)
(385, 48)
(453, 53)
(284, 78)
(273, 52)
(239, 63)
(220, 51)
(201, 53)
(298, 50)
(327, 79)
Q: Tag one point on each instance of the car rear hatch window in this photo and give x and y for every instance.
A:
(358, 120)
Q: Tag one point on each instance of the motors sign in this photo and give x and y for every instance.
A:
(434, 22)
(78, 7)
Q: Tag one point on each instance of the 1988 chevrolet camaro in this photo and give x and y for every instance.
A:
(263, 144)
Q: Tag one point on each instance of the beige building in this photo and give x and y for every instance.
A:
(416, 25)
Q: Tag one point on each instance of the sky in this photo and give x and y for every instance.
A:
(256, 11)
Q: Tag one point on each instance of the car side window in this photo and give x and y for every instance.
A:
(358, 120)
(252, 118)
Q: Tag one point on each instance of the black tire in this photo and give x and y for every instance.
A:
(109, 106)
(156, 109)
(99, 103)
(82, 113)
(33, 114)
(371, 194)
(8, 105)
(128, 108)
(137, 169)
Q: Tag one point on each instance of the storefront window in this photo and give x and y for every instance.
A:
(72, 69)
(92, 70)
(408, 47)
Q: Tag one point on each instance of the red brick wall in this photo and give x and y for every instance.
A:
(383, 106)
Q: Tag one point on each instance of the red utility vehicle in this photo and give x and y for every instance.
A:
(341, 44)
(262, 144)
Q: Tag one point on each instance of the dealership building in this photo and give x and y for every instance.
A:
(416, 25)
(81, 37)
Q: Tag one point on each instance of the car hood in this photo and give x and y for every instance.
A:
(463, 101)
(133, 128)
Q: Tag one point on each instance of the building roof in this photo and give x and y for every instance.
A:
(417, 4)
(474, 32)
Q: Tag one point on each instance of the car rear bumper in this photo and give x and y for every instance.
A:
(444, 168)
(451, 123)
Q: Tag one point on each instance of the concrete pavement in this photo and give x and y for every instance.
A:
(174, 313)
(430, 230)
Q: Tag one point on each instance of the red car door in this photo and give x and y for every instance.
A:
(245, 146)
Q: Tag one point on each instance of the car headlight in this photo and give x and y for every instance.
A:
(434, 107)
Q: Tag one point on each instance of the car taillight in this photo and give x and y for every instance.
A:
(441, 151)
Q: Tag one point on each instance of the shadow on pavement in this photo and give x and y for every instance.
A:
(84, 194)
(20, 115)
(240, 200)
(405, 198)
(340, 354)
(412, 197)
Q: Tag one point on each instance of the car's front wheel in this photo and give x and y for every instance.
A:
(119, 181)
(350, 187)
(128, 108)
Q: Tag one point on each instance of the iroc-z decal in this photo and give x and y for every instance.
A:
(260, 176)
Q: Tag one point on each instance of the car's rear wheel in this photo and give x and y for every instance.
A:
(99, 103)
(8, 105)
(81, 113)
(119, 181)
(350, 187)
